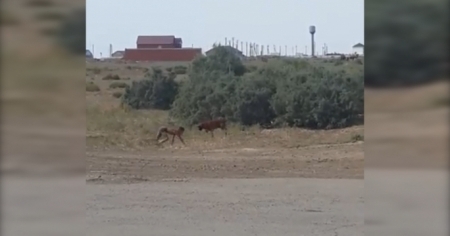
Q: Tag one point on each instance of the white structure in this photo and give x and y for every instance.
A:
(358, 48)
(118, 54)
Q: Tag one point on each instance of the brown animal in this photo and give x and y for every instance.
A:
(211, 125)
(166, 132)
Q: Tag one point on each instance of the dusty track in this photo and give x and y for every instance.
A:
(324, 161)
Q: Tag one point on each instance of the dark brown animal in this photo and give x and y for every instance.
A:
(211, 125)
(166, 132)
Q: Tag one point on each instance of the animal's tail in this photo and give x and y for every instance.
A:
(160, 132)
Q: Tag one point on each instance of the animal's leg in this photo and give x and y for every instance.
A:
(224, 128)
(181, 139)
(173, 139)
(212, 134)
(166, 137)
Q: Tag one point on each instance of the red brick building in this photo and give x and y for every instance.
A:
(161, 54)
(160, 48)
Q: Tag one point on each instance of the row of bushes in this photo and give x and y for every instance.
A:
(285, 92)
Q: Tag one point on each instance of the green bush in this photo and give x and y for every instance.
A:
(156, 92)
(357, 137)
(111, 77)
(115, 85)
(179, 70)
(91, 87)
(292, 92)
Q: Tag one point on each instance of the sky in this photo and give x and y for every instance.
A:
(200, 23)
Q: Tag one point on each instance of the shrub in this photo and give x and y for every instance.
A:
(179, 70)
(156, 92)
(338, 63)
(169, 69)
(222, 61)
(111, 77)
(357, 137)
(115, 85)
(291, 92)
(117, 94)
(91, 87)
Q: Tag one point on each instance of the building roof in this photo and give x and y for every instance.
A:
(89, 53)
(118, 53)
(358, 45)
(160, 39)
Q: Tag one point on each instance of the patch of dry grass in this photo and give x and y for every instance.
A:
(91, 87)
(130, 129)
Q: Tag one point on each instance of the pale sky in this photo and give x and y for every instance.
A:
(339, 23)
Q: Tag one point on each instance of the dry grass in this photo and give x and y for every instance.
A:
(129, 129)
(91, 87)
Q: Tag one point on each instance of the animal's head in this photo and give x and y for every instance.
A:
(200, 127)
(181, 129)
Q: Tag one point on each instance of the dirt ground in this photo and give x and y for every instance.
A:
(310, 190)
(319, 161)
(274, 206)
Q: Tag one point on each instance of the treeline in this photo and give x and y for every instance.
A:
(292, 92)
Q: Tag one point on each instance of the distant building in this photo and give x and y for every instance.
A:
(159, 41)
(358, 48)
(162, 54)
(118, 54)
(160, 48)
(233, 50)
(89, 54)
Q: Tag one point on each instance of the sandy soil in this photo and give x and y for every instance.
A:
(227, 192)
(319, 161)
(227, 207)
